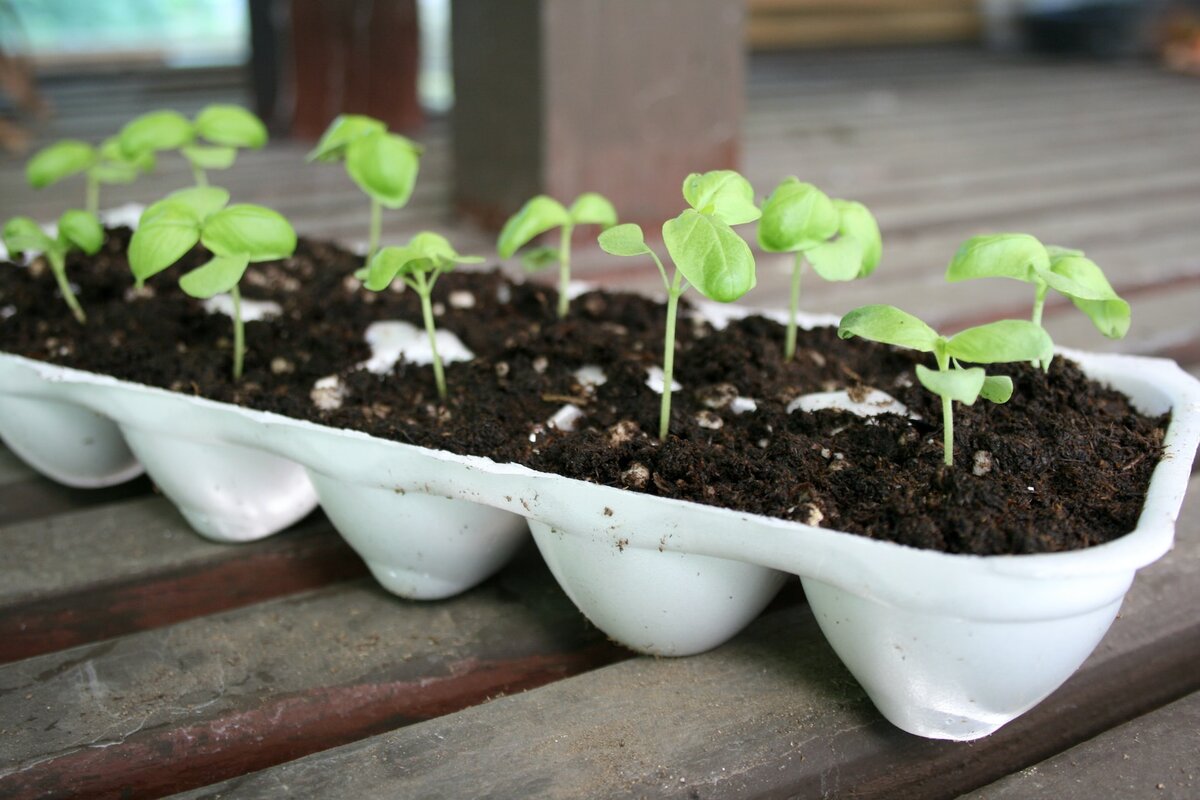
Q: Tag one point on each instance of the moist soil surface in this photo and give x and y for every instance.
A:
(1063, 465)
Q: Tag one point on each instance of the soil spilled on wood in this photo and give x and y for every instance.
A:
(1063, 465)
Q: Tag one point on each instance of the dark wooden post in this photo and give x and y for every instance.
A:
(623, 97)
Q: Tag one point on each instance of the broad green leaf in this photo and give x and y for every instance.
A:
(201, 201)
(23, 235)
(997, 388)
(340, 133)
(722, 193)
(258, 233)
(624, 240)
(797, 216)
(438, 250)
(593, 209)
(384, 165)
(536, 258)
(110, 151)
(162, 240)
(538, 215)
(1111, 317)
(157, 130)
(232, 126)
(115, 172)
(1001, 255)
(216, 277)
(961, 385)
(888, 325)
(857, 222)
(387, 264)
(839, 260)
(58, 161)
(1001, 342)
(1055, 251)
(81, 229)
(206, 157)
(1079, 278)
(711, 256)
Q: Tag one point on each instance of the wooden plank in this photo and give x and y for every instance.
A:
(1154, 755)
(772, 713)
(106, 571)
(830, 30)
(164, 710)
(12, 469)
(34, 497)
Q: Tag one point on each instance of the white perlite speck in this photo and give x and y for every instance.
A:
(390, 339)
(654, 379)
(252, 310)
(871, 403)
(983, 462)
(328, 393)
(461, 299)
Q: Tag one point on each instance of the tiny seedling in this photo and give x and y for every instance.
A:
(1069, 272)
(211, 141)
(706, 252)
(106, 164)
(1005, 341)
(76, 230)
(236, 235)
(384, 165)
(840, 238)
(542, 214)
(419, 264)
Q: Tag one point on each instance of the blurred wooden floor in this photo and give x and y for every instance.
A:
(139, 659)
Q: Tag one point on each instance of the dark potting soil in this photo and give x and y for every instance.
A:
(1063, 465)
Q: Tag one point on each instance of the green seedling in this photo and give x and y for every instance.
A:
(384, 165)
(77, 230)
(1069, 272)
(418, 264)
(236, 235)
(211, 141)
(706, 252)
(106, 164)
(1008, 340)
(542, 214)
(840, 238)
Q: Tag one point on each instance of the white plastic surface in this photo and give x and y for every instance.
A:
(948, 646)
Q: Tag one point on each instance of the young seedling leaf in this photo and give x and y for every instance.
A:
(438, 250)
(207, 157)
(387, 264)
(839, 260)
(81, 229)
(384, 165)
(1004, 341)
(258, 233)
(162, 240)
(997, 388)
(1091, 293)
(218, 276)
(889, 325)
(723, 194)
(624, 240)
(110, 151)
(961, 385)
(593, 209)
(115, 172)
(157, 130)
(538, 215)
(23, 235)
(858, 223)
(60, 160)
(796, 217)
(710, 255)
(538, 258)
(231, 126)
(340, 133)
(201, 201)
(1002, 255)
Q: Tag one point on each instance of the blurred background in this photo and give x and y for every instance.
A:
(1075, 120)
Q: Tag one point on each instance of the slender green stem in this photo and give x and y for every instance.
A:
(239, 334)
(376, 229)
(564, 270)
(943, 362)
(789, 348)
(59, 268)
(93, 194)
(198, 175)
(1039, 302)
(664, 417)
(425, 289)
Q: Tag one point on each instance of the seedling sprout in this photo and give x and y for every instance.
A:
(542, 214)
(76, 230)
(236, 235)
(106, 164)
(211, 141)
(1005, 341)
(706, 252)
(840, 238)
(419, 264)
(384, 165)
